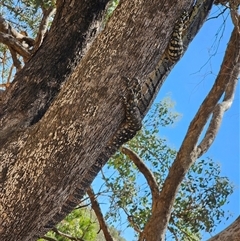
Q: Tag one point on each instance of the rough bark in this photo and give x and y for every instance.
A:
(74, 27)
(42, 164)
(231, 233)
(150, 86)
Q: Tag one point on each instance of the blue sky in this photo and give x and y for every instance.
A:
(187, 85)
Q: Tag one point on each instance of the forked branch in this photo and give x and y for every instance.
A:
(189, 151)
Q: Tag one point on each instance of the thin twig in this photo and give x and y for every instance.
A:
(221, 13)
(48, 238)
(66, 235)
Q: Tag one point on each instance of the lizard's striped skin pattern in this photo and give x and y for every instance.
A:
(154, 80)
(133, 121)
(175, 46)
(149, 90)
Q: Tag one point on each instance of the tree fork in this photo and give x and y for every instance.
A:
(57, 153)
(34, 87)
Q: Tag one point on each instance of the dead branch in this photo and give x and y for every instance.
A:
(98, 212)
(145, 171)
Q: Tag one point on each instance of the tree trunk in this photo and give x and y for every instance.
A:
(34, 88)
(48, 147)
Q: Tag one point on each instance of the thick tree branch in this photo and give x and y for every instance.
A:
(64, 149)
(154, 80)
(5, 27)
(232, 232)
(152, 85)
(188, 152)
(70, 41)
(234, 5)
(14, 44)
(218, 112)
(98, 212)
(153, 185)
(17, 41)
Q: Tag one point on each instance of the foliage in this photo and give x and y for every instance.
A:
(81, 224)
(202, 194)
(198, 206)
(111, 7)
(78, 224)
(25, 14)
(25, 17)
(199, 202)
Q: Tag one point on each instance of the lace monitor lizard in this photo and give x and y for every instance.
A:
(139, 99)
(126, 131)
(184, 31)
(175, 46)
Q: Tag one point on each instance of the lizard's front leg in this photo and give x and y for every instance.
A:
(133, 121)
